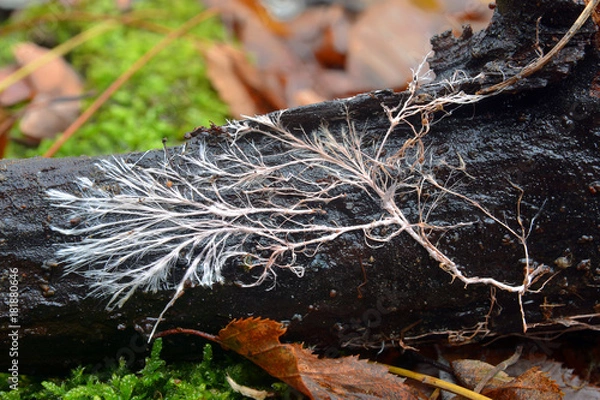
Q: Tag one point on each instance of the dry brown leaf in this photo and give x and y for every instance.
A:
(258, 340)
(331, 53)
(268, 50)
(533, 384)
(239, 83)
(272, 68)
(471, 372)
(15, 93)
(57, 89)
(328, 52)
(388, 40)
(430, 5)
(288, 64)
(320, 37)
(308, 96)
(569, 383)
(349, 378)
(595, 17)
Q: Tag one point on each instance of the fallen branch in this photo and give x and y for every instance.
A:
(498, 191)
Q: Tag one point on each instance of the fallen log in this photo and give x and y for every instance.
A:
(379, 220)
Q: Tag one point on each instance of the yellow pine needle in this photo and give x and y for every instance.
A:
(438, 383)
(116, 85)
(56, 52)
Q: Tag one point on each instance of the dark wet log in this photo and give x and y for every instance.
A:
(543, 138)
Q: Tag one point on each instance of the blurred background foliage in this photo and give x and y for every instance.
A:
(169, 96)
(246, 57)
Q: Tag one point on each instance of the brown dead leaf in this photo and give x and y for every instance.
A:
(258, 340)
(285, 65)
(471, 372)
(573, 386)
(268, 50)
(533, 384)
(349, 378)
(308, 96)
(595, 16)
(388, 40)
(15, 93)
(239, 83)
(57, 89)
(329, 51)
(429, 5)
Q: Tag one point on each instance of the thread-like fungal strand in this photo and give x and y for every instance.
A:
(259, 198)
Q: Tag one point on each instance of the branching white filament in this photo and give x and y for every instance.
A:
(259, 199)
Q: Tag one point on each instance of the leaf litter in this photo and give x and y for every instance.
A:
(330, 51)
(257, 339)
(57, 90)
(52, 92)
(519, 378)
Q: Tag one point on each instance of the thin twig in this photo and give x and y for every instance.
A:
(186, 331)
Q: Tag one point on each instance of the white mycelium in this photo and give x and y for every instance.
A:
(261, 204)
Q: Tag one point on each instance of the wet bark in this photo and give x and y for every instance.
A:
(542, 136)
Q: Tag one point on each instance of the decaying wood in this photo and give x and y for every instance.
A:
(530, 157)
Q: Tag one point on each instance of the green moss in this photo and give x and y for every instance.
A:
(169, 96)
(157, 380)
